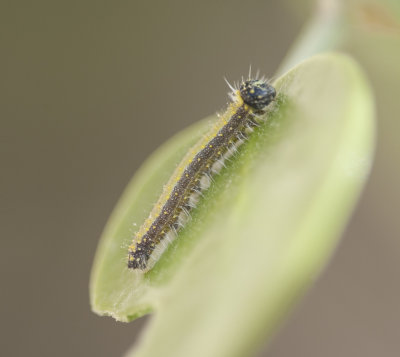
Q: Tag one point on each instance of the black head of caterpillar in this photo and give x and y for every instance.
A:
(257, 93)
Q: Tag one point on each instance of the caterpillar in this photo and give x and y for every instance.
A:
(194, 173)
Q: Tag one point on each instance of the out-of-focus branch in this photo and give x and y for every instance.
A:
(324, 32)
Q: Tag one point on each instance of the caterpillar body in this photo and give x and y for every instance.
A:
(193, 174)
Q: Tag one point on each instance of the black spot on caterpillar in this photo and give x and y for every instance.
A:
(193, 174)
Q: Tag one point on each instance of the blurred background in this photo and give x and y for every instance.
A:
(90, 88)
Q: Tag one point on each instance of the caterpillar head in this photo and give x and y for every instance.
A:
(257, 93)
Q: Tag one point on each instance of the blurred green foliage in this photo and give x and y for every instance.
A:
(264, 229)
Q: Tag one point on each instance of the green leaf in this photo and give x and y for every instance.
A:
(263, 231)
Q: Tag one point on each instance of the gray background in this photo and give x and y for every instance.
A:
(88, 90)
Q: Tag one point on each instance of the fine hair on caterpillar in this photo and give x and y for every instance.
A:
(194, 174)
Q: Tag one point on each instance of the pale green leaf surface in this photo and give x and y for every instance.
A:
(263, 231)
